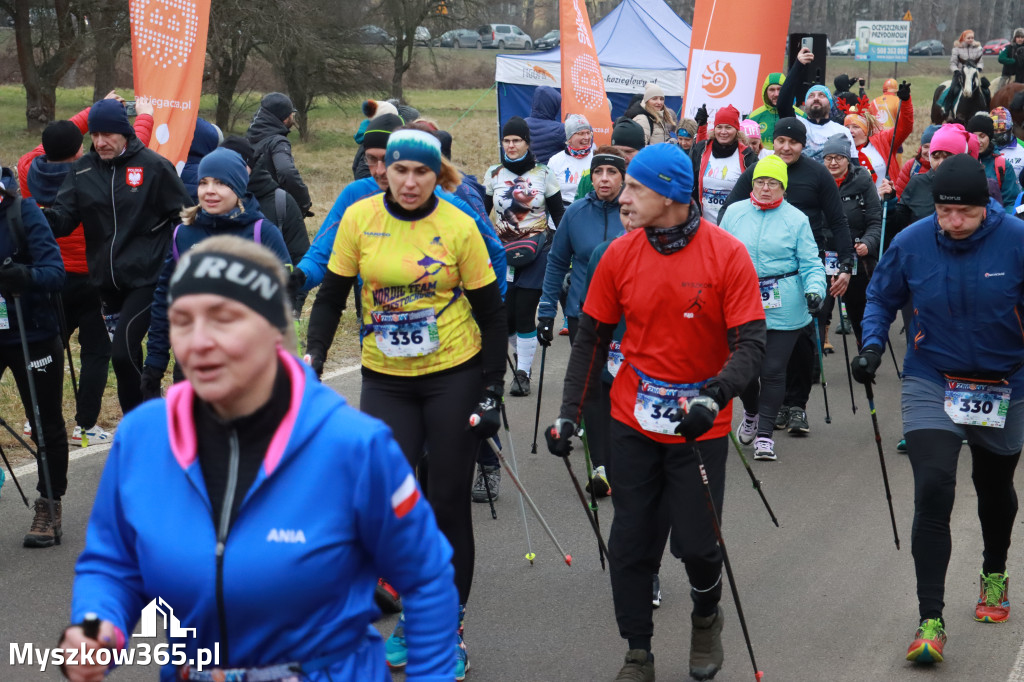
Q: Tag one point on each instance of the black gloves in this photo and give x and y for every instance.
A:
(545, 330)
(316, 362)
(904, 91)
(15, 278)
(296, 280)
(813, 303)
(696, 416)
(701, 117)
(558, 436)
(486, 418)
(864, 366)
(150, 382)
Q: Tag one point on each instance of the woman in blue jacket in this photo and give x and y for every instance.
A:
(278, 505)
(963, 267)
(792, 279)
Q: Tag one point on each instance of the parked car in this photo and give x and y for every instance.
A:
(927, 47)
(548, 40)
(373, 35)
(459, 37)
(501, 36)
(996, 46)
(421, 37)
(847, 47)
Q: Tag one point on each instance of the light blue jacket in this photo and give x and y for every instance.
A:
(780, 241)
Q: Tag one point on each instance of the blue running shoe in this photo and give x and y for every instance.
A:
(395, 649)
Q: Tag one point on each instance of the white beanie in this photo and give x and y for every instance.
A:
(574, 123)
(652, 90)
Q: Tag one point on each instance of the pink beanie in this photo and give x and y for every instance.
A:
(951, 138)
(750, 128)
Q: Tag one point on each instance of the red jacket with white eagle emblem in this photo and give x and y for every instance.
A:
(128, 207)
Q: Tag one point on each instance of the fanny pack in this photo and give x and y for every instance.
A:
(522, 252)
(282, 672)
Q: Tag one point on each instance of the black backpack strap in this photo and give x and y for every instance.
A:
(280, 207)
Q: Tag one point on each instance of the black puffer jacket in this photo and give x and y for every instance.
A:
(293, 227)
(273, 152)
(128, 207)
(862, 207)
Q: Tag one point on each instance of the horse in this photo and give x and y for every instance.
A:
(970, 100)
(1011, 96)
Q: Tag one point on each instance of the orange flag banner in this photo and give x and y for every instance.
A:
(723, 70)
(168, 53)
(582, 80)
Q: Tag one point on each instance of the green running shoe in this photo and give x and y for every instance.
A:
(928, 642)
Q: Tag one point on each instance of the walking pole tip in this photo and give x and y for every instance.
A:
(568, 559)
(530, 556)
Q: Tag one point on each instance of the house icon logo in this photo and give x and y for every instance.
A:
(153, 613)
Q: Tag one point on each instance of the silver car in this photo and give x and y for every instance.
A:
(501, 36)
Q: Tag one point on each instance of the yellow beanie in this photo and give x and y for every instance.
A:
(772, 167)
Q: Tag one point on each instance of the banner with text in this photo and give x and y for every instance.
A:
(718, 74)
(582, 81)
(168, 54)
(882, 41)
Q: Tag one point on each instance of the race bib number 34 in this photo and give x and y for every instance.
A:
(655, 402)
(974, 404)
(406, 335)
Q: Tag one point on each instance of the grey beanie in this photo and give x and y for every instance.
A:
(837, 144)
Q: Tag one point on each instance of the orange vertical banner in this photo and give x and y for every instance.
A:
(168, 54)
(724, 70)
(582, 81)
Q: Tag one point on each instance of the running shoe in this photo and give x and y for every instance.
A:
(764, 449)
(387, 598)
(798, 425)
(844, 326)
(901, 447)
(97, 435)
(520, 385)
(782, 418)
(600, 480)
(461, 659)
(639, 667)
(487, 479)
(564, 331)
(656, 583)
(994, 601)
(27, 430)
(748, 428)
(928, 642)
(3, 477)
(395, 649)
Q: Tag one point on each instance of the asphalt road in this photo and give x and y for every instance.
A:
(826, 596)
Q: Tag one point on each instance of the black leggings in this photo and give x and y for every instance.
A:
(802, 370)
(764, 394)
(430, 413)
(933, 455)
(126, 348)
(522, 309)
(81, 300)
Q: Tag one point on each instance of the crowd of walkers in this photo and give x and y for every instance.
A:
(746, 235)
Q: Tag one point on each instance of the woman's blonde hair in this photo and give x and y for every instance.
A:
(264, 257)
(188, 214)
(665, 116)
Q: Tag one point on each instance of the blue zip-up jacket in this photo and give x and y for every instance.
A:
(334, 506)
(780, 241)
(587, 223)
(547, 132)
(158, 345)
(968, 298)
(314, 263)
(204, 140)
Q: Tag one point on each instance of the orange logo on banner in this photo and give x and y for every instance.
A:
(719, 79)
(169, 51)
(582, 81)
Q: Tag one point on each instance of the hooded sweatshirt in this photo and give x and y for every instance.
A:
(768, 114)
(204, 140)
(272, 150)
(547, 133)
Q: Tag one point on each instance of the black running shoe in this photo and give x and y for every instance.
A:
(520, 385)
(798, 425)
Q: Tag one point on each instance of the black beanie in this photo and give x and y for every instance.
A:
(445, 139)
(792, 128)
(278, 105)
(982, 123)
(843, 83)
(516, 126)
(960, 179)
(61, 140)
(237, 143)
(627, 133)
(379, 130)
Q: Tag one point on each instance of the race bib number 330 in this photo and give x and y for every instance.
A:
(406, 335)
(975, 404)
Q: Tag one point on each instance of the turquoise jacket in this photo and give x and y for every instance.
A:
(780, 242)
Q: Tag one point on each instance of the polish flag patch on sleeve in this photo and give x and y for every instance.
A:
(405, 498)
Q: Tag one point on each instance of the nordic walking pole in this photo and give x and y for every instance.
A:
(487, 487)
(881, 459)
(758, 675)
(473, 419)
(821, 367)
(530, 556)
(540, 393)
(66, 338)
(846, 354)
(513, 368)
(14, 478)
(593, 498)
(753, 479)
(33, 396)
(602, 550)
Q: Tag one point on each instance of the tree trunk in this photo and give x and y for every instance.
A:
(401, 65)
(40, 105)
(105, 77)
(227, 84)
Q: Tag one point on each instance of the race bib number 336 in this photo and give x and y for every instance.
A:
(406, 335)
(974, 404)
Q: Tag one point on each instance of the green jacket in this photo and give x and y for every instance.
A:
(767, 115)
(585, 187)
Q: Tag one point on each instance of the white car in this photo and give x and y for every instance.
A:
(847, 47)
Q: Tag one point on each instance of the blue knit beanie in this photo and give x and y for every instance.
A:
(228, 166)
(109, 116)
(666, 169)
(929, 133)
(821, 88)
(414, 145)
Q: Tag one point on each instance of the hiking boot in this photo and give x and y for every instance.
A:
(797, 424)
(520, 385)
(901, 447)
(764, 449)
(45, 532)
(782, 418)
(639, 667)
(706, 655)
(994, 601)
(94, 436)
(395, 650)
(600, 483)
(487, 478)
(656, 597)
(928, 642)
(748, 428)
(387, 597)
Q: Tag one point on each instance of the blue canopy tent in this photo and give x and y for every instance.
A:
(638, 42)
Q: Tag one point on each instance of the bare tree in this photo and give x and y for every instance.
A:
(236, 28)
(109, 32)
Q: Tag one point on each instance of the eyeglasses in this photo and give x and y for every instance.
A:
(834, 158)
(762, 183)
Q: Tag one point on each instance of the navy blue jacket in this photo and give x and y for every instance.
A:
(547, 133)
(204, 140)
